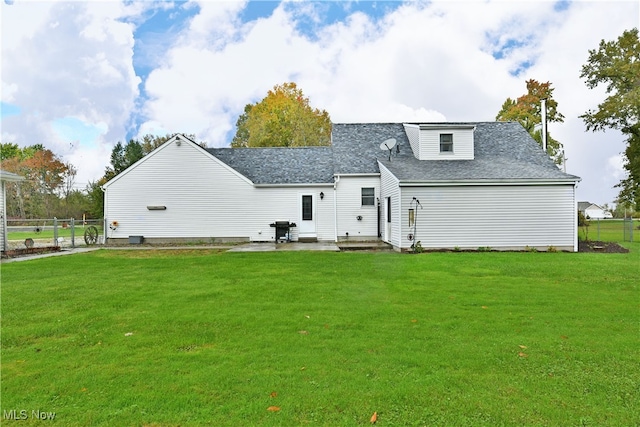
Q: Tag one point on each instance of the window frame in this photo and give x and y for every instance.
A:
(446, 144)
(307, 207)
(367, 197)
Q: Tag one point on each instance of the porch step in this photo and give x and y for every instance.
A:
(307, 239)
(364, 246)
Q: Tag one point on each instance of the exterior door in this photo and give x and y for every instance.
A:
(307, 216)
(387, 219)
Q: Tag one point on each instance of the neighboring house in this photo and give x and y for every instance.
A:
(446, 185)
(593, 211)
(4, 178)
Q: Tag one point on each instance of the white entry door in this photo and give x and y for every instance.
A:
(387, 218)
(307, 224)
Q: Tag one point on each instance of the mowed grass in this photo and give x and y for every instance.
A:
(168, 338)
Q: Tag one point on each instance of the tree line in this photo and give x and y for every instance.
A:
(285, 118)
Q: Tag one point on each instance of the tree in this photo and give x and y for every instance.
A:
(38, 195)
(123, 156)
(617, 64)
(283, 118)
(527, 110)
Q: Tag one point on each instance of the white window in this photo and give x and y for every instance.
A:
(446, 143)
(368, 196)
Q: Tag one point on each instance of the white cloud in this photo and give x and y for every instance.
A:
(428, 61)
(72, 60)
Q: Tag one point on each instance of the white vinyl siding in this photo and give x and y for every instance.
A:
(204, 199)
(501, 216)
(413, 135)
(429, 144)
(349, 202)
(390, 191)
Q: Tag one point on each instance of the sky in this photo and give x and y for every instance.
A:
(79, 76)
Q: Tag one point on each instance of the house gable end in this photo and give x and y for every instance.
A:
(178, 141)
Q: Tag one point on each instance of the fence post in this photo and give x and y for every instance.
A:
(73, 233)
(55, 231)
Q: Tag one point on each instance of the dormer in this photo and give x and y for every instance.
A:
(441, 141)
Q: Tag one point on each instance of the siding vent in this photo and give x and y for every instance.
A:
(157, 208)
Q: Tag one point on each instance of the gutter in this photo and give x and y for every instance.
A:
(295, 185)
(450, 183)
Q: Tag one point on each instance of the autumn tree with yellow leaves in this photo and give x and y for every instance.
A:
(283, 118)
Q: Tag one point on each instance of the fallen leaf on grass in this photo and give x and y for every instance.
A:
(414, 320)
(83, 389)
(308, 317)
(128, 334)
(273, 394)
(521, 354)
(374, 418)
(484, 307)
(522, 346)
(273, 408)
(303, 332)
(564, 337)
(303, 368)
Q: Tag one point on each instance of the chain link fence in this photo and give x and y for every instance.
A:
(63, 233)
(611, 230)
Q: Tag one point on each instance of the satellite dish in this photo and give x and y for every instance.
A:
(388, 144)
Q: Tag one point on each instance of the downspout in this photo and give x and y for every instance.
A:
(575, 218)
(104, 216)
(335, 207)
(379, 217)
(544, 123)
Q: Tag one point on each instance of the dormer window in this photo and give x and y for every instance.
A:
(446, 143)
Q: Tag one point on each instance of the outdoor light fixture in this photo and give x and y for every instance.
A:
(321, 195)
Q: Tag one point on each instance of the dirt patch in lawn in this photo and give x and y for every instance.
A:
(598, 246)
(15, 253)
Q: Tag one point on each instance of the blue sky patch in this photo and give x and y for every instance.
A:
(75, 130)
(258, 9)
(503, 49)
(311, 17)
(7, 110)
(522, 67)
(561, 6)
(156, 34)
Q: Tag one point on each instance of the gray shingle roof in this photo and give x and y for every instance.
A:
(300, 165)
(503, 151)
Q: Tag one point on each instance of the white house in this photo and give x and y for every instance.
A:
(4, 178)
(593, 211)
(446, 185)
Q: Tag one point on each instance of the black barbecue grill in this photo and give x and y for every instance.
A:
(283, 230)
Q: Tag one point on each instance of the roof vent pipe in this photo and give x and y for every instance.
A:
(544, 123)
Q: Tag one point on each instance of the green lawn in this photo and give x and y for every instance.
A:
(168, 338)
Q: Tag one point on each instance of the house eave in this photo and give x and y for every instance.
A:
(295, 185)
(461, 182)
(10, 176)
(357, 175)
(433, 126)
